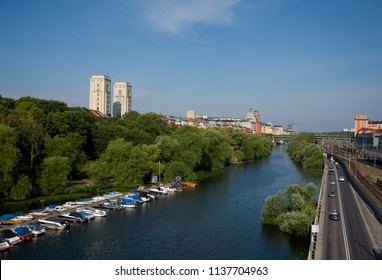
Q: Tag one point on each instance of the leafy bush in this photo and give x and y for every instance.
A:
(292, 210)
(303, 150)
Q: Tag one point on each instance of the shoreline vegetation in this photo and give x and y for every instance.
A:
(44, 145)
(293, 210)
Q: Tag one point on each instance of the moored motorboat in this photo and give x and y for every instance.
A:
(127, 202)
(135, 197)
(23, 216)
(54, 223)
(4, 245)
(158, 190)
(187, 184)
(10, 236)
(10, 219)
(85, 201)
(71, 204)
(73, 217)
(38, 213)
(112, 194)
(36, 228)
(98, 198)
(177, 186)
(115, 205)
(91, 210)
(23, 232)
(169, 188)
(87, 215)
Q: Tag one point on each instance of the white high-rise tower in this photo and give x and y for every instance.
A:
(100, 94)
(122, 99)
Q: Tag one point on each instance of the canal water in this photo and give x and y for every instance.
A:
(219, 219)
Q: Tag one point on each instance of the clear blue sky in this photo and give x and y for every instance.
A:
(314, 63)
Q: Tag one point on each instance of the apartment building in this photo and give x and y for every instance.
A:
(100, 94)
(122, 99)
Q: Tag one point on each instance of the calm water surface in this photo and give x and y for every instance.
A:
(219, 219)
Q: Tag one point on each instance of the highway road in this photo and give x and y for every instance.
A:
(348, 238)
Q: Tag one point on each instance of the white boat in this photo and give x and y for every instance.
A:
(71, 204)
(112, 194)
(87, 215)
(37, 213)
(169, 189)
(158, 190)
(10, 236)
(55, 208)
(127, 202)
(54, 223)
(36, 228)
(91, 210)
(3, 244)
(85, 201)
(110, 205)
(23, 216)
(98, 198)
(73, 217)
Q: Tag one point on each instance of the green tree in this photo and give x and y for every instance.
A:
(70, 146)
(191, 146)
(168, 147)
(178, 168)
(274, 207)
(292, 210)
(296, 223)
(22, 189)
(9, 158)
(303, 150)
(54, 174)
(217, 150)
(109, 164)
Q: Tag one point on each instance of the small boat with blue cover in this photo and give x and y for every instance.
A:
(36, 228)
(23, 232)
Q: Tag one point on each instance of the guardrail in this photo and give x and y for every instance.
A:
(315, 226)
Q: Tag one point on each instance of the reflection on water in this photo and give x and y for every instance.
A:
(219, 219)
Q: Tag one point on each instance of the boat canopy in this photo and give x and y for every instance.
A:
(52, 206)
(135, 197)
(35, 226)
(178, 185)
(7, 233)
(7, 217)
(22, 230)
(85, 199)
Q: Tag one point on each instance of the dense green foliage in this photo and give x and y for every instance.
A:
(292, 210)
(304, 150)
(44, 145)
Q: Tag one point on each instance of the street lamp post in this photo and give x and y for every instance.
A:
(159, 173)
(42, 203)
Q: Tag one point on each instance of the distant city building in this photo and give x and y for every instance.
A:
(363, 125)
(100, 94)
(191, 114)
(266, 128)
(122, 99)
(292, 127)
(277, 130)
(250, 117)
(258, 122)
(250, 123)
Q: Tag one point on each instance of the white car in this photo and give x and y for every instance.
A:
(341, 179)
